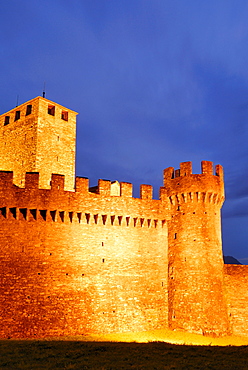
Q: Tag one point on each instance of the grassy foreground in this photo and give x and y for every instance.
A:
(85, 353)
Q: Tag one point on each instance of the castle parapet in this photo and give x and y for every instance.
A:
(126, 189)
(32, 180)
(183, 181)
(6, 179)
(57, 182)
(104, 187)
(146, 191)
(82, 185)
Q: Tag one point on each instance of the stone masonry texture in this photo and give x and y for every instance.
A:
(77, 261)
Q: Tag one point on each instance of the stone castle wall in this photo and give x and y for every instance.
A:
(76, 260)
(80, 262)
(236, 284)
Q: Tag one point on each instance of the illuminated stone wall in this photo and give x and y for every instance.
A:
(236, 281)
(76, 263)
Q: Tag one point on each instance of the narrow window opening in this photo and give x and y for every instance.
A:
(79, 215)
(103, 260)
(95, 218)
(33, 212)
(6, 120)
(175, 236)
(53, 215)
(120, 220)
(3, 212)
(23, 212)
(71, 216)
(17, 115)
(64, 115)
(127, 220)
(62, 216)
(162, 283)
(134, 221)
(102, 244)
(178, 208)
(112, 219)
(142, 220)
(163, 223)
(149, 222)
(58, 138)
(28, 109)
(51, 110)
(104, 219)
(87, 216)
(43, 214)
(13, 212)
(155, 223)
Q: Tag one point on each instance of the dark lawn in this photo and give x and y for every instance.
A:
(33, 355)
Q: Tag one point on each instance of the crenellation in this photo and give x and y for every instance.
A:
(177, 173)
(104, 187)
(219, 172)
(6, 179)
(126, 189)
(32, 180)
(168, 174)
(82, 185)
(57, 182)
(186, 168)
(146, 192)
(207, 168)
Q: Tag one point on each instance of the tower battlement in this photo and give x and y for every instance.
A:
(185, 182)
(186, 170)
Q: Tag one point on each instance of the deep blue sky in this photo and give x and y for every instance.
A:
(156, 83)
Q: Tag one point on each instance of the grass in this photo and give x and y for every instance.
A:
(154, 350)
(55, 354)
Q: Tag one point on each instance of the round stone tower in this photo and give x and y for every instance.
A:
(196, 290)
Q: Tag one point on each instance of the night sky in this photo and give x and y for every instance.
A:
(155, 83)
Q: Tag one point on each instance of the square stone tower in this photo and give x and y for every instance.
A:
(39, 136)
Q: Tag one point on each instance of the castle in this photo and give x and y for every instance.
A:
(78, 260)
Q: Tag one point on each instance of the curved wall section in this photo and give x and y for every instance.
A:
(196, 289)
